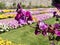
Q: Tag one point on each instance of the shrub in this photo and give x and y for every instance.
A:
(14, 5)
(23, 6)
(42, 6)
(2, 5)
(50, 6)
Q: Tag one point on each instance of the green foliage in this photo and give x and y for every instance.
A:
(50, 6)
(1, 13)
(23, 6)
(42, 6)
(2, 5)
(14, 5)
(35, 6)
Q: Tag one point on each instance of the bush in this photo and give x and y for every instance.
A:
(2, 5)
(35, 6)
(50, 6)
(23, 6)
(42, 6)
(14, 5)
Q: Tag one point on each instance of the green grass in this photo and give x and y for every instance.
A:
(50, 21)
(25, 35)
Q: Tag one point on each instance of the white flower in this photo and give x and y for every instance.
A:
(1, 30)
(30, 22)
(5, 26)
(1, 25)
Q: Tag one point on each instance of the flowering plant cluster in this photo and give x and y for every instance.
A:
(7, 42)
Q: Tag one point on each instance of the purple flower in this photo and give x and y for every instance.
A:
(57, 32)
(57, 5)
(37, 32)
(44, 33)
(57, 25)
(19, 6)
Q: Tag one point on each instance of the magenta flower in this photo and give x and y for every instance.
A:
(57, 32)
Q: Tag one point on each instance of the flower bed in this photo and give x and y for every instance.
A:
(7, 24)
(35, 12)
(7, 15)
(13, 14)
(42, 17)
(7, 42)
(7, 10)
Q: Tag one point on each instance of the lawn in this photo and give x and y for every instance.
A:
(25, 35)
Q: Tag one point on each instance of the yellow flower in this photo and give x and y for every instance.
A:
(8, 42)
(34, 9)
(7, 10)
(0, 38)
(2, 42)
(34, 19)
(21, 44)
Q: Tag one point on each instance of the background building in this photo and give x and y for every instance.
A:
(26, 2)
